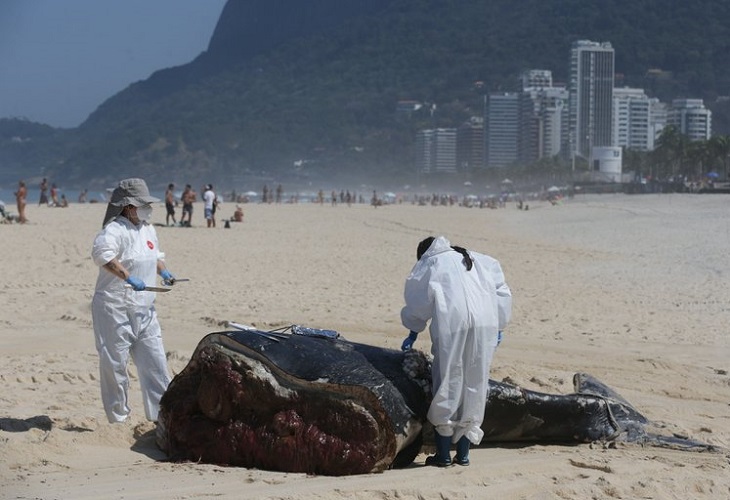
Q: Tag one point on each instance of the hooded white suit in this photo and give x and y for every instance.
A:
(467, 309)
(125, 321)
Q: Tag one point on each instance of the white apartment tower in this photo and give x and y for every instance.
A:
(632, 126)
(691, 118)
(658, 121)
(591, 96)
(554, 116)
(543, 116)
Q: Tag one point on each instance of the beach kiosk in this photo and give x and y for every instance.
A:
(606, 160)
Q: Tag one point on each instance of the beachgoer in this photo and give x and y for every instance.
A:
(170, 204)
(54, 195)
(238, 214)
(209, 205)
(375, 201)
(124, 317)
(82, 196)
(216, 203)
(465, 296)
(64, 202)
(188, 198)
(20, 196)
(44, 192)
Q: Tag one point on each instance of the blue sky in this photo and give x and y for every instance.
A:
(60, 59)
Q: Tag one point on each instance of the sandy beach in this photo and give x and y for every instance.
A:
(631, 289)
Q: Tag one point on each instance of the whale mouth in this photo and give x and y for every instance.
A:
(238, 404)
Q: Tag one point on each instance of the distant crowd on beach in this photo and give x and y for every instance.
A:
(49, 197)
(182, 205)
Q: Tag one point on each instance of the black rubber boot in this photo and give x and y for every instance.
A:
(462, 451)
(442, 458)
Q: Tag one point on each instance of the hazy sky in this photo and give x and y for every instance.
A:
(60, 59)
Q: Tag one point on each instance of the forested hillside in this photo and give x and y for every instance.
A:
(313, 93)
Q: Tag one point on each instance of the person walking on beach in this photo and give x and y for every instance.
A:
(170, 204)
(466, 298)
(123, 313)
(20, 199)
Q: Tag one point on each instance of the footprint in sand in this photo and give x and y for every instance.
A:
(214, 322)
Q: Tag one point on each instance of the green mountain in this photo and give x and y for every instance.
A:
(304, 90)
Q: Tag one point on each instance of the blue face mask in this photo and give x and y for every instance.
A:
(144, 213)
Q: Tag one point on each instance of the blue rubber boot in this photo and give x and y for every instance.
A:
(462, 451)
(442, 458)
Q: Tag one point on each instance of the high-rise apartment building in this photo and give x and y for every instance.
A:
(537, 79)
(591, 96)
(691, 118)
(470, 145)
(543, 116)
(530, 126)
(436, 151)
(632, 127)
(659, 112)
(554, 116)
(501, 129)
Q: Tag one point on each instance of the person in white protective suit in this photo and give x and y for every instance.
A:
(465, 296)
(123, 313)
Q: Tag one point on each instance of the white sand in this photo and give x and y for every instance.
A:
(630, 289)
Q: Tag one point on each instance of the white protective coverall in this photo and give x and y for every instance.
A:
(125, 321)
(467, 309)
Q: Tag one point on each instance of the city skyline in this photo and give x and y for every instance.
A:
(587, 118)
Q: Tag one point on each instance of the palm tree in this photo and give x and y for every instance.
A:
(698, 158)
(671, 150)
(719, 152)
(635, 161)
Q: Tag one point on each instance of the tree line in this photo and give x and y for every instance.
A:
(675, 157)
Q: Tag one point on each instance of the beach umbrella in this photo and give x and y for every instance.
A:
(553, 189)
(506, 181)
(467, 183)
(713, 175)
(251, 193)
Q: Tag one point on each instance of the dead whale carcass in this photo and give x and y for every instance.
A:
(292, 403)
(299, 403)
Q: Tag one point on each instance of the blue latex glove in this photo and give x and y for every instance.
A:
(137, 284)
(408, 342)
(499, 338)
(167, 278)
